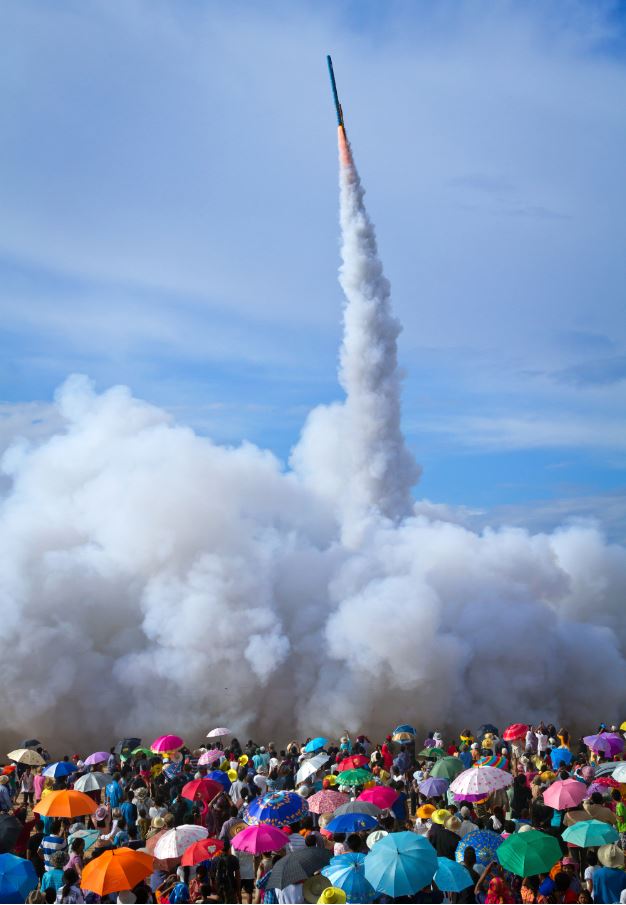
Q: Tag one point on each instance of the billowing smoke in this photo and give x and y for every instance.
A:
(153, 581)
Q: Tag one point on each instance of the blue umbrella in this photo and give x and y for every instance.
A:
(433, 787)
(220, 776)
(351, 823)
(315, 744)
(484, 843)
(347, 872)
(17, 878)
(405, 728)
(60, 768)
(401, 864)
(452, 877)
(276, 809)
(561, 756)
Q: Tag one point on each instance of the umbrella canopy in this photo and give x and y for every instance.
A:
(202, 789)
(483, 781)
(210, 757)
(358, 807)
(561, 757)
(327, 801)
(488, 729)
(351, 823)
(166, 743)
(218, 732)
(590, 833)
(354, 777)
(297, 866)
(126, 745)
(353, 762)
(401, 864)
(310, 767)
(515, 731)
(220, 777)
(146, 751)
(607, 743)
(619, 773)
(447, 768)
(402, 737)
(485, 844)
(347, 872)
(260, 838)
(30, 743)
(17, 878)
(59, 769)
(529, 854)
(432, 753)
(493, 760)
(276, 809)
(26, 756)
(66, 803)
(315, 744)
(405, 727)
(452, 877)
(204, 850)
(174, 843)
(92, 782)
(10, 829)
(565, 793)
(433, 787)
(382, 796)
(98, 757)
(116, 870)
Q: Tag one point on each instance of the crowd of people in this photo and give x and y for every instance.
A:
(523, 815)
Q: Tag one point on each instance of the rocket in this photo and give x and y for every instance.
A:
(333, 86)
(344, 148)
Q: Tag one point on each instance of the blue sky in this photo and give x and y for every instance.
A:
(168, 220)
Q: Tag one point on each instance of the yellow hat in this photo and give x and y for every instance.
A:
(232, 775)
(332, 779)
(243, 760)
(440, 816)
(426, 811)
(331, 895)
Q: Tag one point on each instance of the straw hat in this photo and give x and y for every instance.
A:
(4, 779)
(375, 837)
(332, 895)
(237, 828)
(453, 824)
(426, 811)
(158, 823)
(440, 816)
(524, 828)
(611, 855)
(313, 887)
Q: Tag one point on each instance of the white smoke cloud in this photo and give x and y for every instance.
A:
(153, 581)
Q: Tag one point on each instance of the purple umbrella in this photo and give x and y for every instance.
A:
(607, 743)
(98, 757)
(433, 787)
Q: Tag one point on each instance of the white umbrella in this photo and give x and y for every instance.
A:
(619, 773)
(215, 733)
(175, 842)
(26, 756)
(209, 757)
(480, 780)
(310, 767)
(92, 782)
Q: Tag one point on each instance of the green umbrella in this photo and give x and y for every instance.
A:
(145, 751)
(529, 854)
(433, 753)
(354, 777)
(590, 833)
(447, 768)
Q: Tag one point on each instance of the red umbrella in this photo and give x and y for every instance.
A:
(353, 762)
(201, 851)
(382, 796)
(202, 789)
(515, 732)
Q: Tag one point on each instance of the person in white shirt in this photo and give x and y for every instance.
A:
(290, 894)
(542, 741)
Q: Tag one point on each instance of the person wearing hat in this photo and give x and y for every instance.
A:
(444, 841)
(609, 880)
(313, 887)
(5, 798)
(332, 895)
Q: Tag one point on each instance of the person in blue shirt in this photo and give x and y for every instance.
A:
(610, 879)
(53, 878)
(113, 793)
(129, 813)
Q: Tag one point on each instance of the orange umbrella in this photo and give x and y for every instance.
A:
(66, 803)
(113, 871)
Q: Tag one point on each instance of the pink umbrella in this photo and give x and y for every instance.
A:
(565, 793)
(259, 839)
(209, 757)
(327, 801)
(382, 796)
(485, 780)
(215, 733)
(98, 757)
(166, 743)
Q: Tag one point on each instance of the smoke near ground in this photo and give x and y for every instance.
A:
(152, 581)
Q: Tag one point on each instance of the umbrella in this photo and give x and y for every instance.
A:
(174, 843)
(166, 864)
(315, 744)
(590, 834)
(260, 838)
(488, 729)
(432, 753)
(166, 743)
(515, 732)
(98, 757)
(382, 796)
(59, 769)
(297, 866)
(17, 878)
(276, 809)
(402, 737)
(220, 777)
(145, 751)
(204, 850)
(358, 807)
(201, 789)
(10, 829)
(405, 727)
(529, 854)
(116, 870)
(600, 787)
(327, 801)
(210, 756)
(485, 781)
(126, 745)
(565, 793)
(30, 743)
(216, 733)
(26, 756)
(310, 767)
(619, 773)
(452, 877)
(433, 787)
(92, 782)
(351, 823)
(354, 777)
(485, 844)
(90, 837)
(560, 757)
(347, 872)
(401, 864)
(66, 803)
(493, 760)
(353, 762)
(447, 768)
(607, 743)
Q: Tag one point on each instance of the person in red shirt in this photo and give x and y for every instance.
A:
(387, 755)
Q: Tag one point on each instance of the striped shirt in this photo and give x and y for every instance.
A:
(50, 845)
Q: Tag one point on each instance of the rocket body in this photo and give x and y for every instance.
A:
(333, 86)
